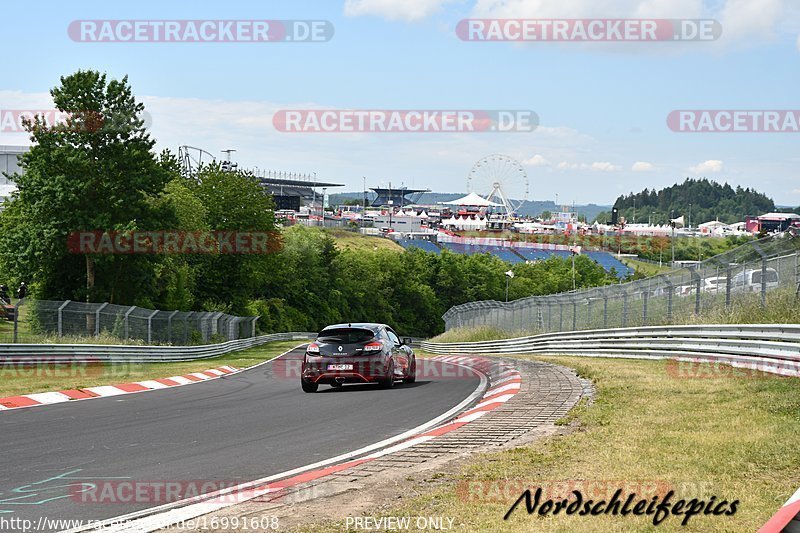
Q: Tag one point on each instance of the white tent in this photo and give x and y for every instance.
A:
(472, 200)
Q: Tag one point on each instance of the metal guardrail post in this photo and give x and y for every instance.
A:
(255, 319)
(645, 297)
(186, 326)
(605, 310)
(169, 326)
(728, 281)
(127, 321)
(763, 256)
(97, 319)
(624, 308)
(61, 318)
(588, 313)
(561, 316)
(694, 275)
(797, 274)
(150, 326)
(574, 314)
(16, 316)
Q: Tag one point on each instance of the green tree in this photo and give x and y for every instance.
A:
(94, 172)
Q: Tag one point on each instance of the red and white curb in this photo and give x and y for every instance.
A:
(505, 383)
(88, 393)
(788, 513)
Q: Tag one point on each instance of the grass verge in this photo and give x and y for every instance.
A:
(648, 269)
(44, 377)
(732, 437)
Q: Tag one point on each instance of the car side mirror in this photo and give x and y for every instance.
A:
(407, 341)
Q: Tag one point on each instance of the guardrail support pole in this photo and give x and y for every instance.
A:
(561, 316)
(763, 281)
(97, 319)
(255, 319)
(186, 327)
(169, 326)
(574, 315)
(670, 294)
(698, 280)
(150, 327)
(624, 309)
(605, 311)
(588, 313)
(16, 316)
(61, 318)
(127, 321)
(645, 297)
(728, 275)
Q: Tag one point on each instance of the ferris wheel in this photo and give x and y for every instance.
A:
(501, 179)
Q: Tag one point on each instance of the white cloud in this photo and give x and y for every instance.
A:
(741, 20)
(642, 166)
(588, 8)
(712, 165)
(600, 166)
(749, 19)
(795, 191)
(605, 166)
(537, 160)
(407, 10)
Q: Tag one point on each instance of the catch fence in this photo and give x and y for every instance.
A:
(753, 273)
(39, 321)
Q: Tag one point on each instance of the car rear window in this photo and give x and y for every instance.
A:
(346, 335)
(772, 277)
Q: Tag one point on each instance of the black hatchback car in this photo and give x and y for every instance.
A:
(358, 353)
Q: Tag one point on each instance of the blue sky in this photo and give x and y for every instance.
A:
(602, 107)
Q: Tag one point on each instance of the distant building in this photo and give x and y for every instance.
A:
(9, 161)
(397, 197)
(771, 222)
(9, 165)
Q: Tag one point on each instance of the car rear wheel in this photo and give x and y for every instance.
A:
(308, 387)
(388, 382)
(412, 372)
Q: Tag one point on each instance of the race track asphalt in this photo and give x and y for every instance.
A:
(237, 428)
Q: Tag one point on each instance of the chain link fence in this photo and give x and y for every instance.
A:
(38, 321)
(753, 273)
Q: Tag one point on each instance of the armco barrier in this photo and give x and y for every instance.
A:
(67, 353)
(771, 348)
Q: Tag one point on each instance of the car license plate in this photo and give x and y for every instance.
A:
(340, 367)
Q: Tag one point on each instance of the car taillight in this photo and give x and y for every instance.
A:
(313, 348)
(373, 347)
